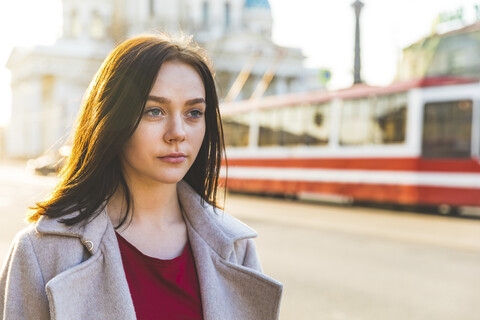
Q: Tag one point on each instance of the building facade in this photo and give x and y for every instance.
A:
(453, 53)
(48, 83)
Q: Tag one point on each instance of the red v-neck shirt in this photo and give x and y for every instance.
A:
(162, 289)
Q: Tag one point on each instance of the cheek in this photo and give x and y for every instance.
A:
(137, 142)
(201, 136)
(196, 138)
(127, 151)
(130, 146)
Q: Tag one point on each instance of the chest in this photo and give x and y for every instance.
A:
(169, 288)
(161, 243)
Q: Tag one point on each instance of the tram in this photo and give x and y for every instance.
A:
(409, 143)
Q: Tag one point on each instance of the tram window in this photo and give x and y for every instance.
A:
(389, 119)
(236, 130)
(376, 120)
(294, 126)
(269, 128)
(447, 128)
(355, 123)
(317, 124)
(291, 130)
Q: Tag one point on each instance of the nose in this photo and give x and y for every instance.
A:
(175, 131)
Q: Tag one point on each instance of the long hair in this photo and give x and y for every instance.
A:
(111, 111)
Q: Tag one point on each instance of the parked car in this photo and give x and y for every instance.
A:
(51, 162)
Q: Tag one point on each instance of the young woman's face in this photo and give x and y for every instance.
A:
(171, 131)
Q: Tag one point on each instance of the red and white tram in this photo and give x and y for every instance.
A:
(411, 143)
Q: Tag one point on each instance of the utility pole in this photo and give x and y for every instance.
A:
(357, 6)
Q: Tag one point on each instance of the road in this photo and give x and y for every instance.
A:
(355, 263)
(336, 262)
(19, 189)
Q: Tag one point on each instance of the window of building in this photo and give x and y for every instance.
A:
(96, 26)
(447, 128)
(49, 114)
(206, 13)
(151, 8)
(47, 91)
(76, 24)
(227, 15)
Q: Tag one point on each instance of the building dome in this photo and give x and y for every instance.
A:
(257, 4)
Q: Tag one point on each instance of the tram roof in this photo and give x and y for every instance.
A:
(354, 92)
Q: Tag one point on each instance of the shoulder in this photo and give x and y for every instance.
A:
(22, 279)
(51, 253)
(29, 241)
(21, 261)
(25, 248)
(25, 234)
(22, 243)
(46, 240)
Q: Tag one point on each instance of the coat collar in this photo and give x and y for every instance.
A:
(91, 234)
(217, 228)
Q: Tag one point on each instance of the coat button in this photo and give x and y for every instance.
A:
(89, 245)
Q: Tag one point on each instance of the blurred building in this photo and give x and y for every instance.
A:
(48, 82)
(2, 143)
(453, 53)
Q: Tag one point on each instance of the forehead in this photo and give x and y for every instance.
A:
(178, 78)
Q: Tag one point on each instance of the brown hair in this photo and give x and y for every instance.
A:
(111, 112)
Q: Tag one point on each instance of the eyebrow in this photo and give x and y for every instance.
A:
(190, 102)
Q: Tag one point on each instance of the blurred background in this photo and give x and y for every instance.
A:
(352, 132)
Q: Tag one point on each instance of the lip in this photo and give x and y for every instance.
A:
(175, 157)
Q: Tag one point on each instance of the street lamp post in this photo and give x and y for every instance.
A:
(357, 6)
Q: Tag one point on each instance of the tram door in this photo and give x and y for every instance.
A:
(447, 129)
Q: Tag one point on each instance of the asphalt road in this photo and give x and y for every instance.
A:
(19, 189)
(335, 262)
(352, 263)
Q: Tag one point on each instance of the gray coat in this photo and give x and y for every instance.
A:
(65, 273)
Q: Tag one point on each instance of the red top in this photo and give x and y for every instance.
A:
(162, 289)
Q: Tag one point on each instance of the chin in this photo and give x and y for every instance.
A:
(170, 178)
(152, 177)
(171, 181)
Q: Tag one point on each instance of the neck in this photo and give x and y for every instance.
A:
(155, 205)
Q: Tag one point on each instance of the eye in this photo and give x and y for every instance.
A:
(196, 114)
(153, 112)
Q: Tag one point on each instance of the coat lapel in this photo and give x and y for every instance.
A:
(96, 288)
(228, 290)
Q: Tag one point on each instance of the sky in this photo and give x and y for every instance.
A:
(323, 29)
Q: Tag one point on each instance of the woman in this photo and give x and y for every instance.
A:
(132, 230)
